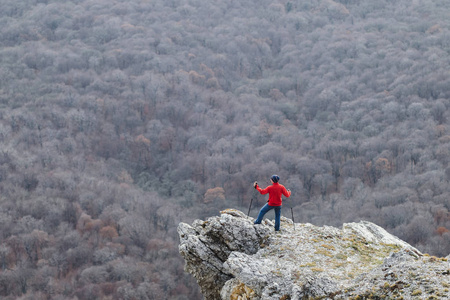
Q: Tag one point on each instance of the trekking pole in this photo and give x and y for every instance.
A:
(251, 201)
(248, 214)
(292, 213)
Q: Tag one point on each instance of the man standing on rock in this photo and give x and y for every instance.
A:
(275, 191)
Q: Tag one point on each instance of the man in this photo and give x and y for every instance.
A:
(275, 191)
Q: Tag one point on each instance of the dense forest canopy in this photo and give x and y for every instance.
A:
(119, 119)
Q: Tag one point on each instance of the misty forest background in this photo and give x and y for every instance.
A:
(120, 119)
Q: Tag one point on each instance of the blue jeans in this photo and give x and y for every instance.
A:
(264, 210)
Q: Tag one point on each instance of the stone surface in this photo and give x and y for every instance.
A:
(233, 259)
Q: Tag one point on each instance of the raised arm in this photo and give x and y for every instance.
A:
(286, 192)
(260, 190)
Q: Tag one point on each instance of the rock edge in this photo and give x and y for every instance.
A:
(232, 258)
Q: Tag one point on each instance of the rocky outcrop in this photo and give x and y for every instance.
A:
(233, 259)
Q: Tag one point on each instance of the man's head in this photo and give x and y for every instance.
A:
(275, 178)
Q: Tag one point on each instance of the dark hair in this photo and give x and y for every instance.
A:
(275, 178)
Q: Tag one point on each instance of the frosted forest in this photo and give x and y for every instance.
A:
(120, 119)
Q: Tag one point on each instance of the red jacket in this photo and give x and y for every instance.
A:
(275, 191)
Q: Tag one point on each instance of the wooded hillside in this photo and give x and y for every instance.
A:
(121, 118)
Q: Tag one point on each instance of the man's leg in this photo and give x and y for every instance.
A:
(262, 212)
(277, 217)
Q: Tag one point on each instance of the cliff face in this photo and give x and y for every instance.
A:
(233, 259)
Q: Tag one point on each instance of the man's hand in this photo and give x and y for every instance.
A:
(255, 184)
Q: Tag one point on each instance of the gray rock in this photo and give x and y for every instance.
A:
(232, 258)
(206, 245)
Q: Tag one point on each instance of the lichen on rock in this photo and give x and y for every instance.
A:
(232, 258)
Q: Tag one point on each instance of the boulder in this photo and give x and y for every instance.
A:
(232, 258)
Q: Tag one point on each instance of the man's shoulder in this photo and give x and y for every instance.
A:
(279, 187)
